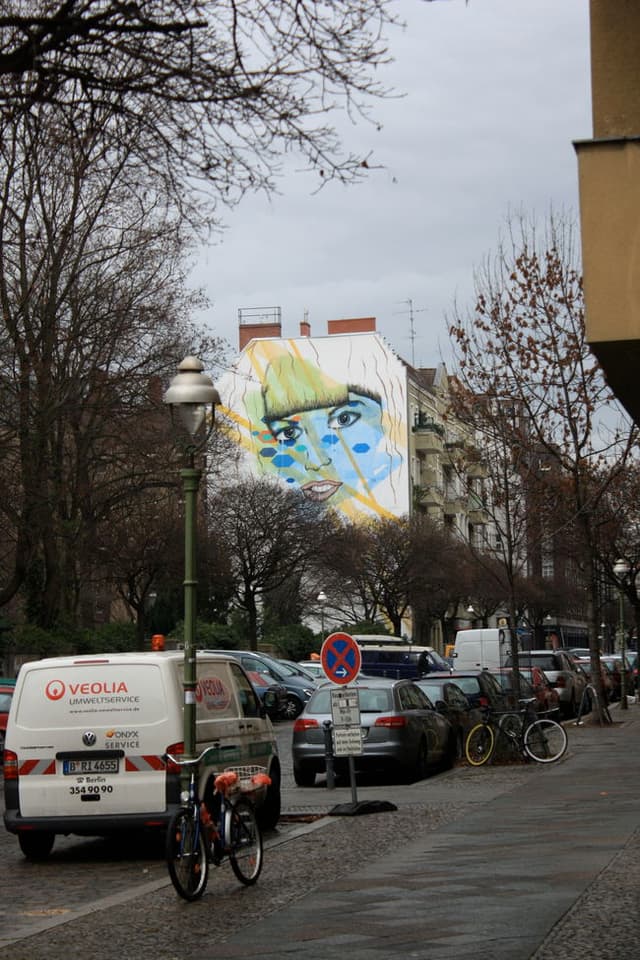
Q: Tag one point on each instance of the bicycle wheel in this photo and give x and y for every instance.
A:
(545, 741)
(245, 843)
(479, 745)
(511, 724)
(187, 855)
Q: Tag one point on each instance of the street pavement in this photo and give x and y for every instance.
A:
(549, 869)
(517, 862)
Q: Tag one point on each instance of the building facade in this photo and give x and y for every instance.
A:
(343, 418)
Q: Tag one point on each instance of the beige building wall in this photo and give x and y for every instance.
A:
(609, 182)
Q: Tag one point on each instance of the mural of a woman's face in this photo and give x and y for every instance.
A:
(329, 452)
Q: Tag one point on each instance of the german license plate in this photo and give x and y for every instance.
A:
(92, 765)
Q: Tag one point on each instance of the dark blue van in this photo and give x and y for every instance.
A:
(395, 658)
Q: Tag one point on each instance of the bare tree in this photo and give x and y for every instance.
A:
(216, 91)
(527, 327)
(94, 314)
(268, 536)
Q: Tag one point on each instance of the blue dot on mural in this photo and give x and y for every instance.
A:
(330, 438)
(268, 452)
(283, 460)
(361, 448)
(290, 480)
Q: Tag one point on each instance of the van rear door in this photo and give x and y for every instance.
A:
(89, 738)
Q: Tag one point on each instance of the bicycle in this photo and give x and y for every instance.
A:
(543, 740)
(198, 836)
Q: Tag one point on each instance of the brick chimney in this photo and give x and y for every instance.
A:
(305, 328)
(258, 322)
(355, 325)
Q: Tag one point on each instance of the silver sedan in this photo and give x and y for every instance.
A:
(400, 731)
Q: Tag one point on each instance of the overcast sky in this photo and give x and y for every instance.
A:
(496, 91)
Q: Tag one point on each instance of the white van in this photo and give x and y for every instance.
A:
(488, 649)
(87, 737)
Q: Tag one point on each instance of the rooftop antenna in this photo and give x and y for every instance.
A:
(412, 328)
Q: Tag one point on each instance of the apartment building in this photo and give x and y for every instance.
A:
(341, 416)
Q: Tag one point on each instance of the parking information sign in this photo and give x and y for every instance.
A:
(341, 658)
(347, 728)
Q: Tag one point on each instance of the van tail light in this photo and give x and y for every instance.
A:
(484, 701)
(393, 721)
(10, 765)
(176, 750)
(304, 723)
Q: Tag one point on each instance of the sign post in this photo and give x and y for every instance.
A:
(341, 661)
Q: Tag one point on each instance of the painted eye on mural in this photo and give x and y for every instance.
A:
(340, 419)
(288, 433)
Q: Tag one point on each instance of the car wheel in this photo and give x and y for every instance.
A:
(268, 813)
(36, 845)
(422, 762)
(451, 754)
(292, 708)
(304, 775)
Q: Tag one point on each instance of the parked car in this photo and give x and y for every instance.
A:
(579, 652)
(272, 695)
(298, 688)
(401, 731)
(479, 687)
(6, 693)
(545, 696)
(632, 657)
(606, 673)
(396, 658)
(562, 672)
(101, 726)
(300, 669)
(614, 663)
(315, 668)
(449, 700)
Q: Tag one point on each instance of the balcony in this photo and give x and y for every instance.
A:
(454, 502)
(477, 511)
(429, 435)
(431, 495)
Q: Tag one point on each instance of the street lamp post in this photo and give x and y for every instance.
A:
(621, 569)
(193, 397)
(322, 599)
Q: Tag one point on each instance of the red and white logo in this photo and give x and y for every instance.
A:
(55, 689)
(212, 693)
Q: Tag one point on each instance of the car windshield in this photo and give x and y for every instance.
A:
(371, 700)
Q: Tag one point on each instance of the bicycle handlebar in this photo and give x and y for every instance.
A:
(187, 761)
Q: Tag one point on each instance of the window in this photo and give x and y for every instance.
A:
(249, 702)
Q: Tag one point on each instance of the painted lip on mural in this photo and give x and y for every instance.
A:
(320, 489)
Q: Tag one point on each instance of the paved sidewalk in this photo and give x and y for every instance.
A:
(549, 869)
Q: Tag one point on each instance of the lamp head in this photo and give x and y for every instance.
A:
(621, 568)
(191, 393)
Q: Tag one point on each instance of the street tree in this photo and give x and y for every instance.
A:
(527, 325)
(266, 537)
(94, 313)
(208, 92)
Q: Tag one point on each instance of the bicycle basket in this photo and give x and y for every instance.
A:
(251, 779)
